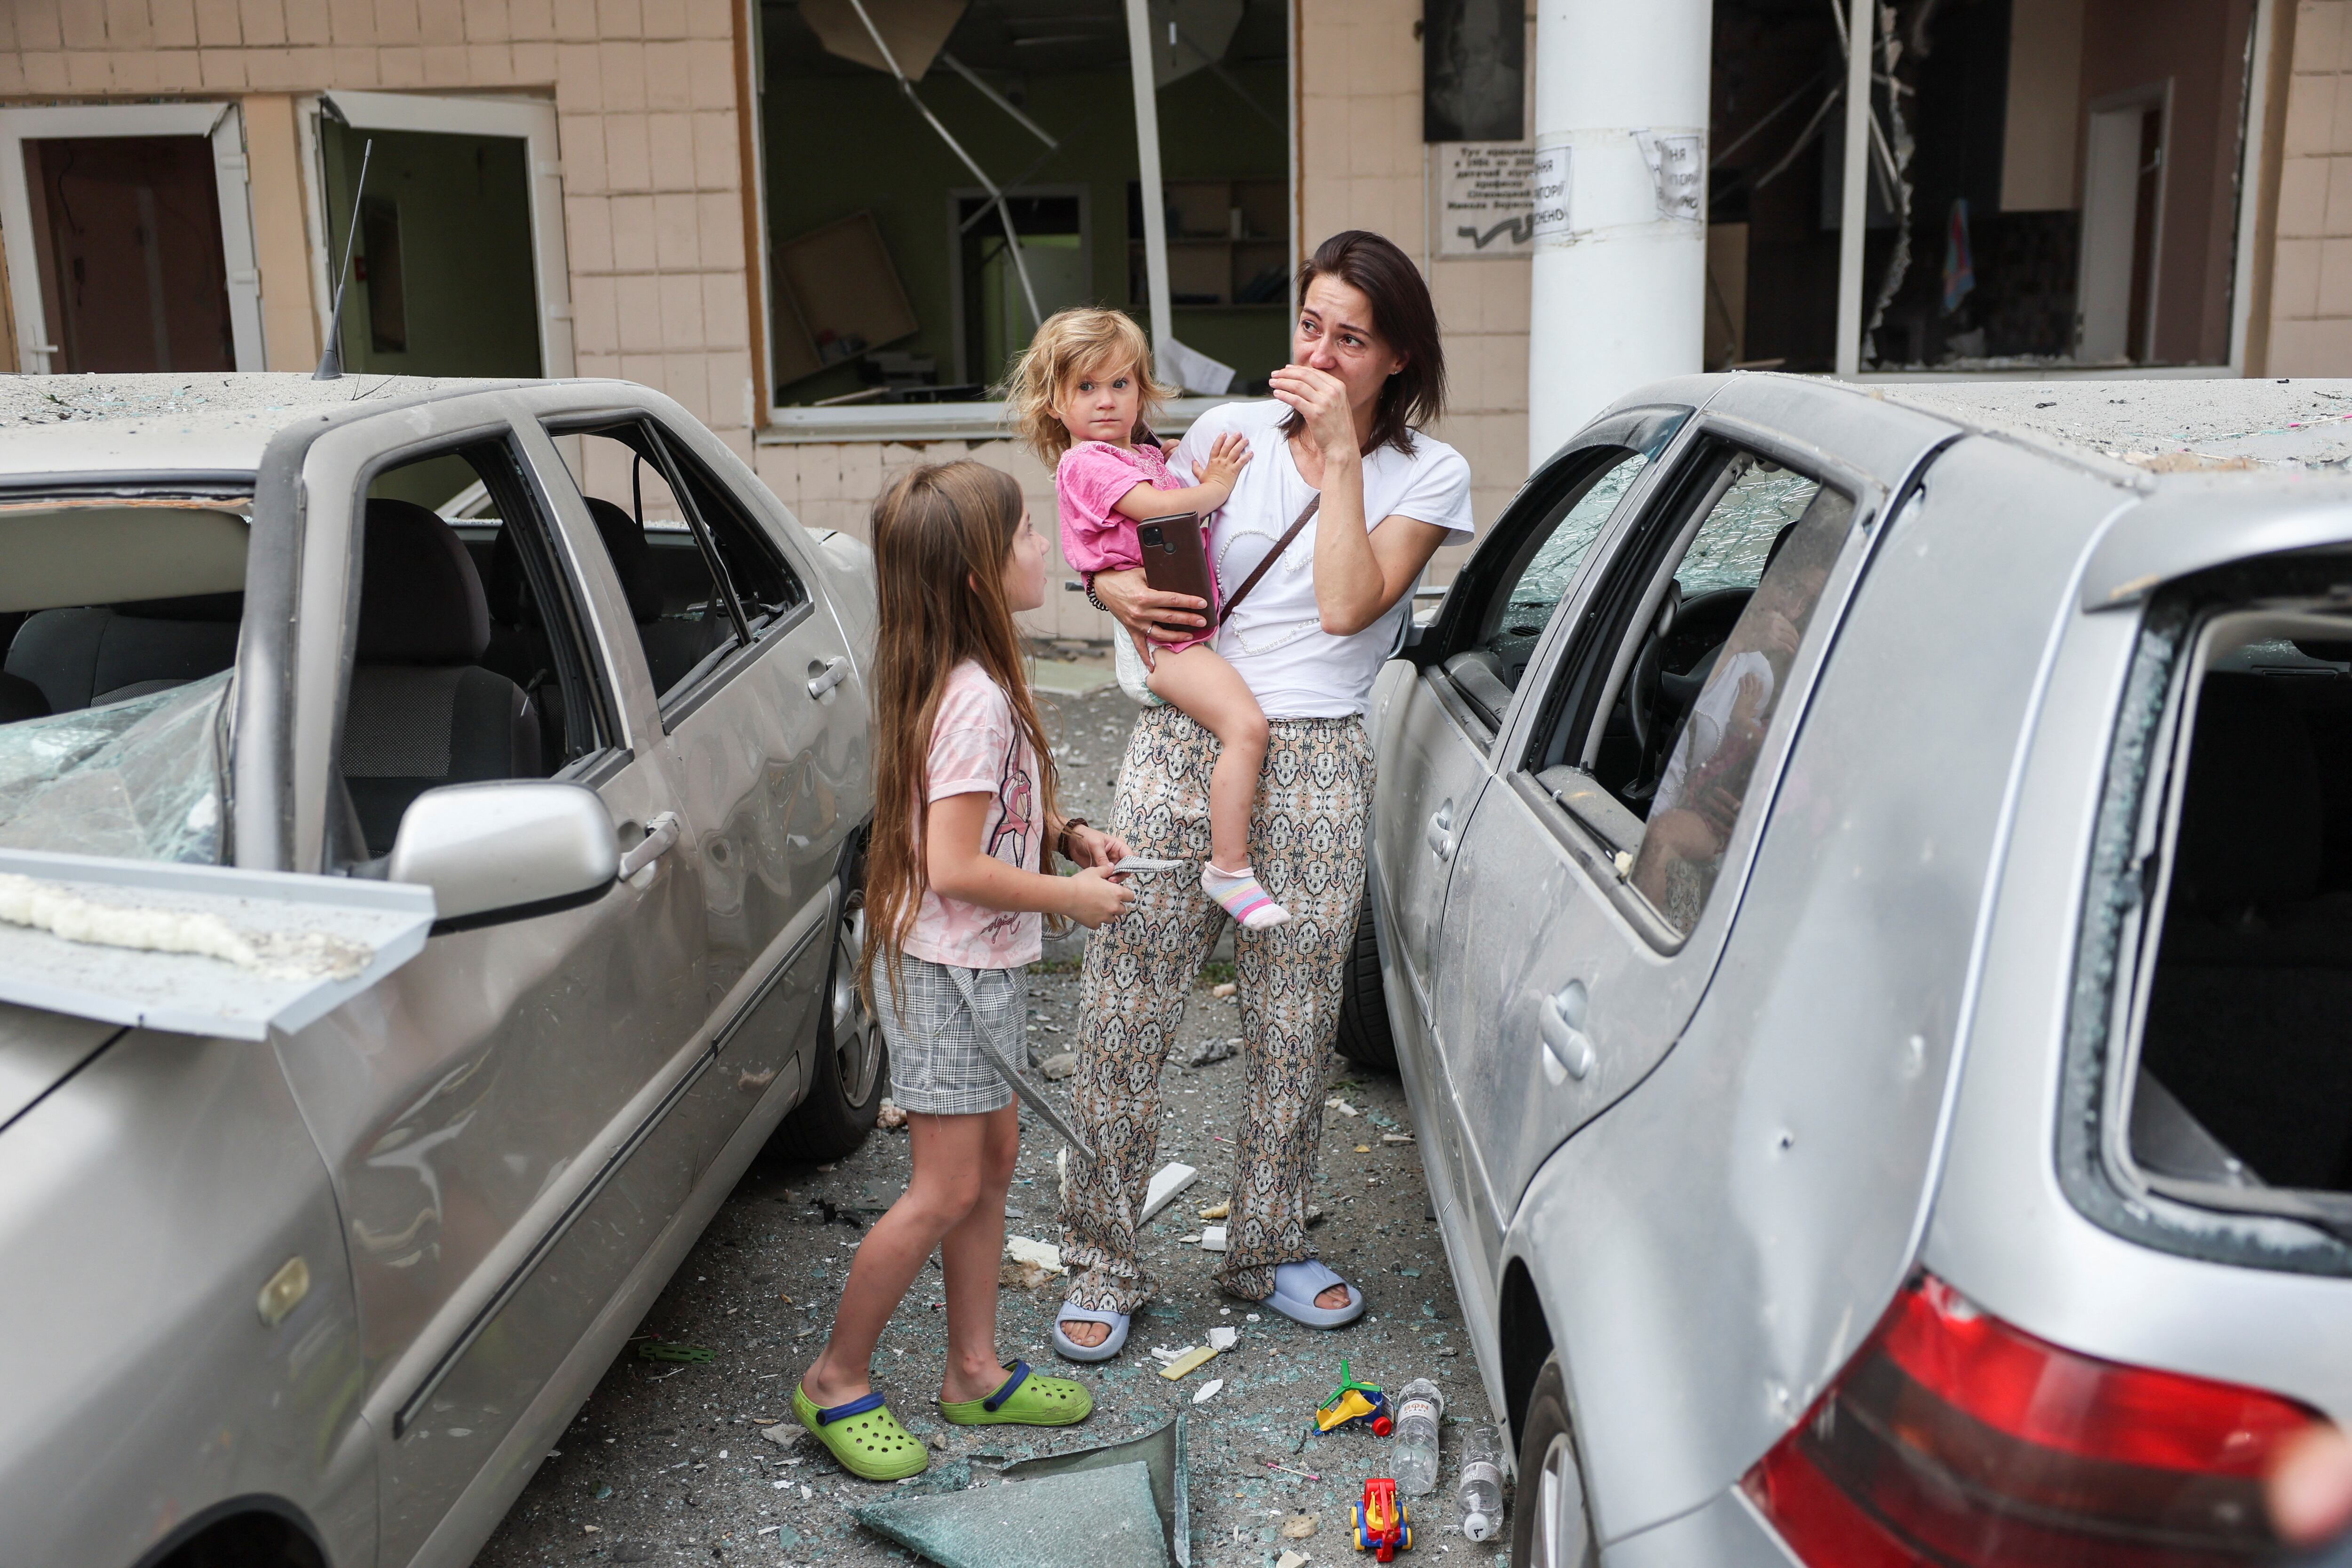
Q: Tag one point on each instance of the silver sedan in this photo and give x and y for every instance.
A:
(1861, 904)
(308, 1266)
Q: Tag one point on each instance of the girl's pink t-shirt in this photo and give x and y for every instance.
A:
(977, 748)
(1093, 478)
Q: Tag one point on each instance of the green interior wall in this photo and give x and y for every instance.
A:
(466, 258)
(834, 145)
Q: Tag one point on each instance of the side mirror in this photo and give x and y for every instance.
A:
(499, 851)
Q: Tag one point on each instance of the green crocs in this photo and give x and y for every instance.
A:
(865, 1436)
(1025, 1399)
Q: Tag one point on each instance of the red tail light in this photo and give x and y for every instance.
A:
(1953, 1440)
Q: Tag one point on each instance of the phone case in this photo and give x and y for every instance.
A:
(1176, 557)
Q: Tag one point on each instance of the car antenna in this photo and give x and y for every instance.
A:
(331, 361)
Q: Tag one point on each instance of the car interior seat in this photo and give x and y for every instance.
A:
(2255, 970)
(101, 653)
(673, 645)
(423, 712)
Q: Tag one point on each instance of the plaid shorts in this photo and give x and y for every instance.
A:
(937, 1065)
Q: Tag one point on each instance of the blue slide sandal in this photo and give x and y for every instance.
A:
(1071, 1350)
(1295, 1286)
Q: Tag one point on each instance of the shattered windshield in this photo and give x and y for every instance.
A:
(139, 780)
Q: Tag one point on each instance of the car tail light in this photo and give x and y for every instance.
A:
(1953, 1440)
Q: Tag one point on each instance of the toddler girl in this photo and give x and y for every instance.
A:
(1081, 393)
(963, 805)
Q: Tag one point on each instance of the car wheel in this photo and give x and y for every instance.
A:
(1363, 1035)
(853, 1064)
(1552, 1529)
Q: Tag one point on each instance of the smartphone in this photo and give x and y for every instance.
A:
(1176, 557)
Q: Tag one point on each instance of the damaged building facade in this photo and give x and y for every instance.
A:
(823, 225)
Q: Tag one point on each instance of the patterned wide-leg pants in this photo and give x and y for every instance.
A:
(1306, 845)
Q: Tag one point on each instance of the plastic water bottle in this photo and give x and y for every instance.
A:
(1482, 1485)
(1418, 1410)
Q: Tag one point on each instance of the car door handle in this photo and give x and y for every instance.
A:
(660, 834)
(1440, 833)
(835, 671)
(1559, 1020)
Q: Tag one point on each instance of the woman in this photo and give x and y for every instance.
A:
(1308, 638)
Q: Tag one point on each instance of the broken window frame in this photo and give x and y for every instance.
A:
(2128, 876)
(979, 420)
(1856, 285)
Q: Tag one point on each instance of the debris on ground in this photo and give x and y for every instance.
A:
(1166, 1183)
(1097, 1518)
(1058, 1066)
(1211, 1050)
(1222, 1338)
(1027, 1249)
(646, 1426)
(1208, 1391)
(888, 1117)
(1218, 1211)
(1213, 1239)
(1221, 992)
(1291, 1560)
(657, 1350)
(1298, 1526)
(1187, 1362)
(1342, 1106)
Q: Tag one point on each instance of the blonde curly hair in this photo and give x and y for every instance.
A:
(1070, 344)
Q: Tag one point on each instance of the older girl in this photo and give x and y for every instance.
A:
(963, 806)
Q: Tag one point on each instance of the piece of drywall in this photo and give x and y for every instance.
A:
(847, 292)
(2039, 169)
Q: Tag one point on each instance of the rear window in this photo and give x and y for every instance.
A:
(2216, 991)
(119, 618)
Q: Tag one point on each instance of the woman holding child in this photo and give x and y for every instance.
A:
(1333, 465)
(1331, 506)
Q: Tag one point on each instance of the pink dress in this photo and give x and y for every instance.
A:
(1094, 477)
(977, 749)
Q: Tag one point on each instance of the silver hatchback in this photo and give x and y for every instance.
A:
(1861, 904)
(540, 679)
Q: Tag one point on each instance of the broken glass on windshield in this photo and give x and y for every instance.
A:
(140, 780)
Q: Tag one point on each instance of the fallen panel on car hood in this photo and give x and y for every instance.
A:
(256, 950)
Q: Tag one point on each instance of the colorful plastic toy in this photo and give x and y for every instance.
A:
(1384, 1525)
(1353, 1401)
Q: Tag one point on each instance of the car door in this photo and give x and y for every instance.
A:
(477, 1108)
(1443, 712)
(747, 682)
(1587, 906)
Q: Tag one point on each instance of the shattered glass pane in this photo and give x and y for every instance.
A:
(139, 780)
(1554, 566)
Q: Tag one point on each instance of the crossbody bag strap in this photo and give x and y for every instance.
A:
(1313, 502)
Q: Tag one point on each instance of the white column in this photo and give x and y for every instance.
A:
(1146, 157)
(1620, 283)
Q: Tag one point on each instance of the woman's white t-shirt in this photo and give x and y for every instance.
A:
(1276, 641)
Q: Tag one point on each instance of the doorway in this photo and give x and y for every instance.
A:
(2123, 220)
(441, 280)
(129, 239)
(993, 309)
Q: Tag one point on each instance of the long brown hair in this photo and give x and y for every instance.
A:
(942, 534)
(1406, 317)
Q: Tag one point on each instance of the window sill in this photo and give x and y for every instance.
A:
(918, 422)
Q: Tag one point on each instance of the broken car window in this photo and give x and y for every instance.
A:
(137, 779)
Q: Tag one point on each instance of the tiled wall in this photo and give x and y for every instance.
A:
(644, 96)
(2311, 298)
(1363, 164)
